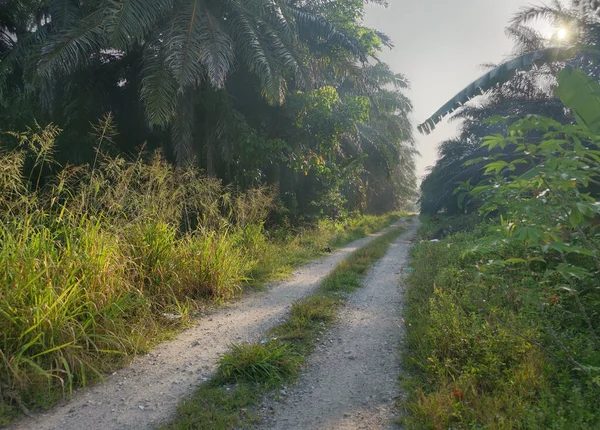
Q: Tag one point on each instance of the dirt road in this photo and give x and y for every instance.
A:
(350, 382)
(147, 392)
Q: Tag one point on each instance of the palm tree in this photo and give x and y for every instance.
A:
(385, 139)
(185, 46)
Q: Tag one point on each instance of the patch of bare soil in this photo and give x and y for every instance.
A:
(351, 380)
(146, 393)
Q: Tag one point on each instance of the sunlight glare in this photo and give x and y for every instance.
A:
(562, 33)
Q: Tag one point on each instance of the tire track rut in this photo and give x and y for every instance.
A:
(351, 380)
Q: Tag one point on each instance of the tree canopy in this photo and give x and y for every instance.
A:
(256, 92)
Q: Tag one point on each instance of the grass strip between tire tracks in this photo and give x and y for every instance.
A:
(249, 371)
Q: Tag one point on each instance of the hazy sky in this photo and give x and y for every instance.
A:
(440, 46)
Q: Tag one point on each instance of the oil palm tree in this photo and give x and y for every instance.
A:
(386, 138)
(184, 47)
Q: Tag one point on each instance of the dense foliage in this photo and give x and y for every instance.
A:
(106, 260)
(256, 92)
(161, 154)
(522, 86)
(504, 321)
(504, 311)
(495, 340)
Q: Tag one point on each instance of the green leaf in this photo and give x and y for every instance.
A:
(588, 209)
(576, 249)
(527, 233)
(461, 200)
(538, 259)
(515, 261)
(496, 166)
(576, 218)
(529, 175)
(581, 93)
(557, 246)
(569, 271)
(480, 189)
(495, 140)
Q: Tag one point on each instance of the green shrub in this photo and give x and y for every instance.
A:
(269, 364)
(477, 351)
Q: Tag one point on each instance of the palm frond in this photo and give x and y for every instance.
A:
(182, 130)
(526, 38)
(158, 87)
(499, 75)
(64, 13)
(385, 39)
(552, 14)
(128, 21)
(381, 75)
(19, 55)
(316, 26)
(199, 46)
(69, 49)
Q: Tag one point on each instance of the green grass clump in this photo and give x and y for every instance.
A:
(268, 364)
(214, 407)
(251, 371)
(307, 320)
(315, 309)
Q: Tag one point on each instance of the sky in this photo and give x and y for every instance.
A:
(440, 46)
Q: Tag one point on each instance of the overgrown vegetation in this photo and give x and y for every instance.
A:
(490, 345)
(100, 263)
(248, 372)
(160, 155)
(503, 322)
(256, 92)
(524, 85)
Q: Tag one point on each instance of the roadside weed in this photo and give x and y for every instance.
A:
(101, 263)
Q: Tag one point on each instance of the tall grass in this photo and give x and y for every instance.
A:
(102, 261)
(92, 262)
(290, 247)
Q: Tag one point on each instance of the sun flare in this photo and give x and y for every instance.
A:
(562, 33)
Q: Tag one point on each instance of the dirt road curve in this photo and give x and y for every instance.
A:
(147, 393)
(350, 382)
